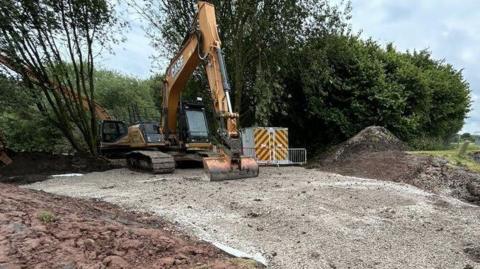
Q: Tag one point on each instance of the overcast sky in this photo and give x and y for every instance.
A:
(450, 29)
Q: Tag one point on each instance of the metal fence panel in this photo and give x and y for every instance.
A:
(296, 156)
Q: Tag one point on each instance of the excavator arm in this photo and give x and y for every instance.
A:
(203, 45)
(100, 112)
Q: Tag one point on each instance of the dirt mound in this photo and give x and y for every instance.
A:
(370, 139)
(29, 167)
(376, 153)
(428, 173)
(40, 230)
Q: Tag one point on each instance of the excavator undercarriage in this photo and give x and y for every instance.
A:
(155, 162)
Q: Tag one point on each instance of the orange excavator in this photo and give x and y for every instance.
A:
(183, 133)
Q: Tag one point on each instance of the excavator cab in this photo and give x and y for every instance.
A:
(193, 126)
(111, 131)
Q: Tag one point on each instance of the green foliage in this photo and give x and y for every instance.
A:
(29, 131)
(454, 159)
(56, 41)
(338, 85)
(429, 143)
(24, 127)
(118, 93)
(46, 217)
(468, 136)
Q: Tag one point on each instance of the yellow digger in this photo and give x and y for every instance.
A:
(183, 133)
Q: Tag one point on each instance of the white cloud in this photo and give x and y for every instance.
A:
(131, 57)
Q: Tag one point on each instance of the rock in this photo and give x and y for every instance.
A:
(131, 244)
(89, 244)
(166, 262)
(190, 250)
(253, 215)
(474, 188)
(116, 262)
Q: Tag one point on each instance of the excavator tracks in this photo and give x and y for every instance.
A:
(155, 162)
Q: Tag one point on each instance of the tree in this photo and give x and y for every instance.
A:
(120, 93)
(467, 136)
(24, 128)
(256, 36)
(337, 85)
(51, 44)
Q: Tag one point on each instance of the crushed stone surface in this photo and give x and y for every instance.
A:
(299, 218)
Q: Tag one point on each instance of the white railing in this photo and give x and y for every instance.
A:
(296, 156)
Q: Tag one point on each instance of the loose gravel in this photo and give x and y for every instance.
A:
(298, 218)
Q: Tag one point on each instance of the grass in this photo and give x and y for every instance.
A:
(46, 217)
(453, 157)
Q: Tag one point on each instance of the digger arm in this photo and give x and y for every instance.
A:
(203, 43)
(100, 112)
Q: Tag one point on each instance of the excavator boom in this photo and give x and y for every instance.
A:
(203, 46)
(99, 111)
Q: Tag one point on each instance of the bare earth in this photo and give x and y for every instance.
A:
(298, 218)
(44, 231)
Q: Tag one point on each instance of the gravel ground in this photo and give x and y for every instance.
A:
(297, 218)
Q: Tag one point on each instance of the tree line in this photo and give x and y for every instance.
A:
(292, 63)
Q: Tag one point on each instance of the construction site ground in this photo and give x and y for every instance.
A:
(44, 231)
(293, 217)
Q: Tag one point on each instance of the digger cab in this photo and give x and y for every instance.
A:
(193, 129)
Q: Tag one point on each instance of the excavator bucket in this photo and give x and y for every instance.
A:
(220, 168)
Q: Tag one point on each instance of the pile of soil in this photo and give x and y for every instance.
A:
(29, 167)
(376, 153)
(40, 230)
(370, 139)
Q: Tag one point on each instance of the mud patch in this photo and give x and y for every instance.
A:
(40, 230)
(29, 167)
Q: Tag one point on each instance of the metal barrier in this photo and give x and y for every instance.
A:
(295, 156)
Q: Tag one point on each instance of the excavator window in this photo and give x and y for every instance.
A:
(113, 130)
(197, 124)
